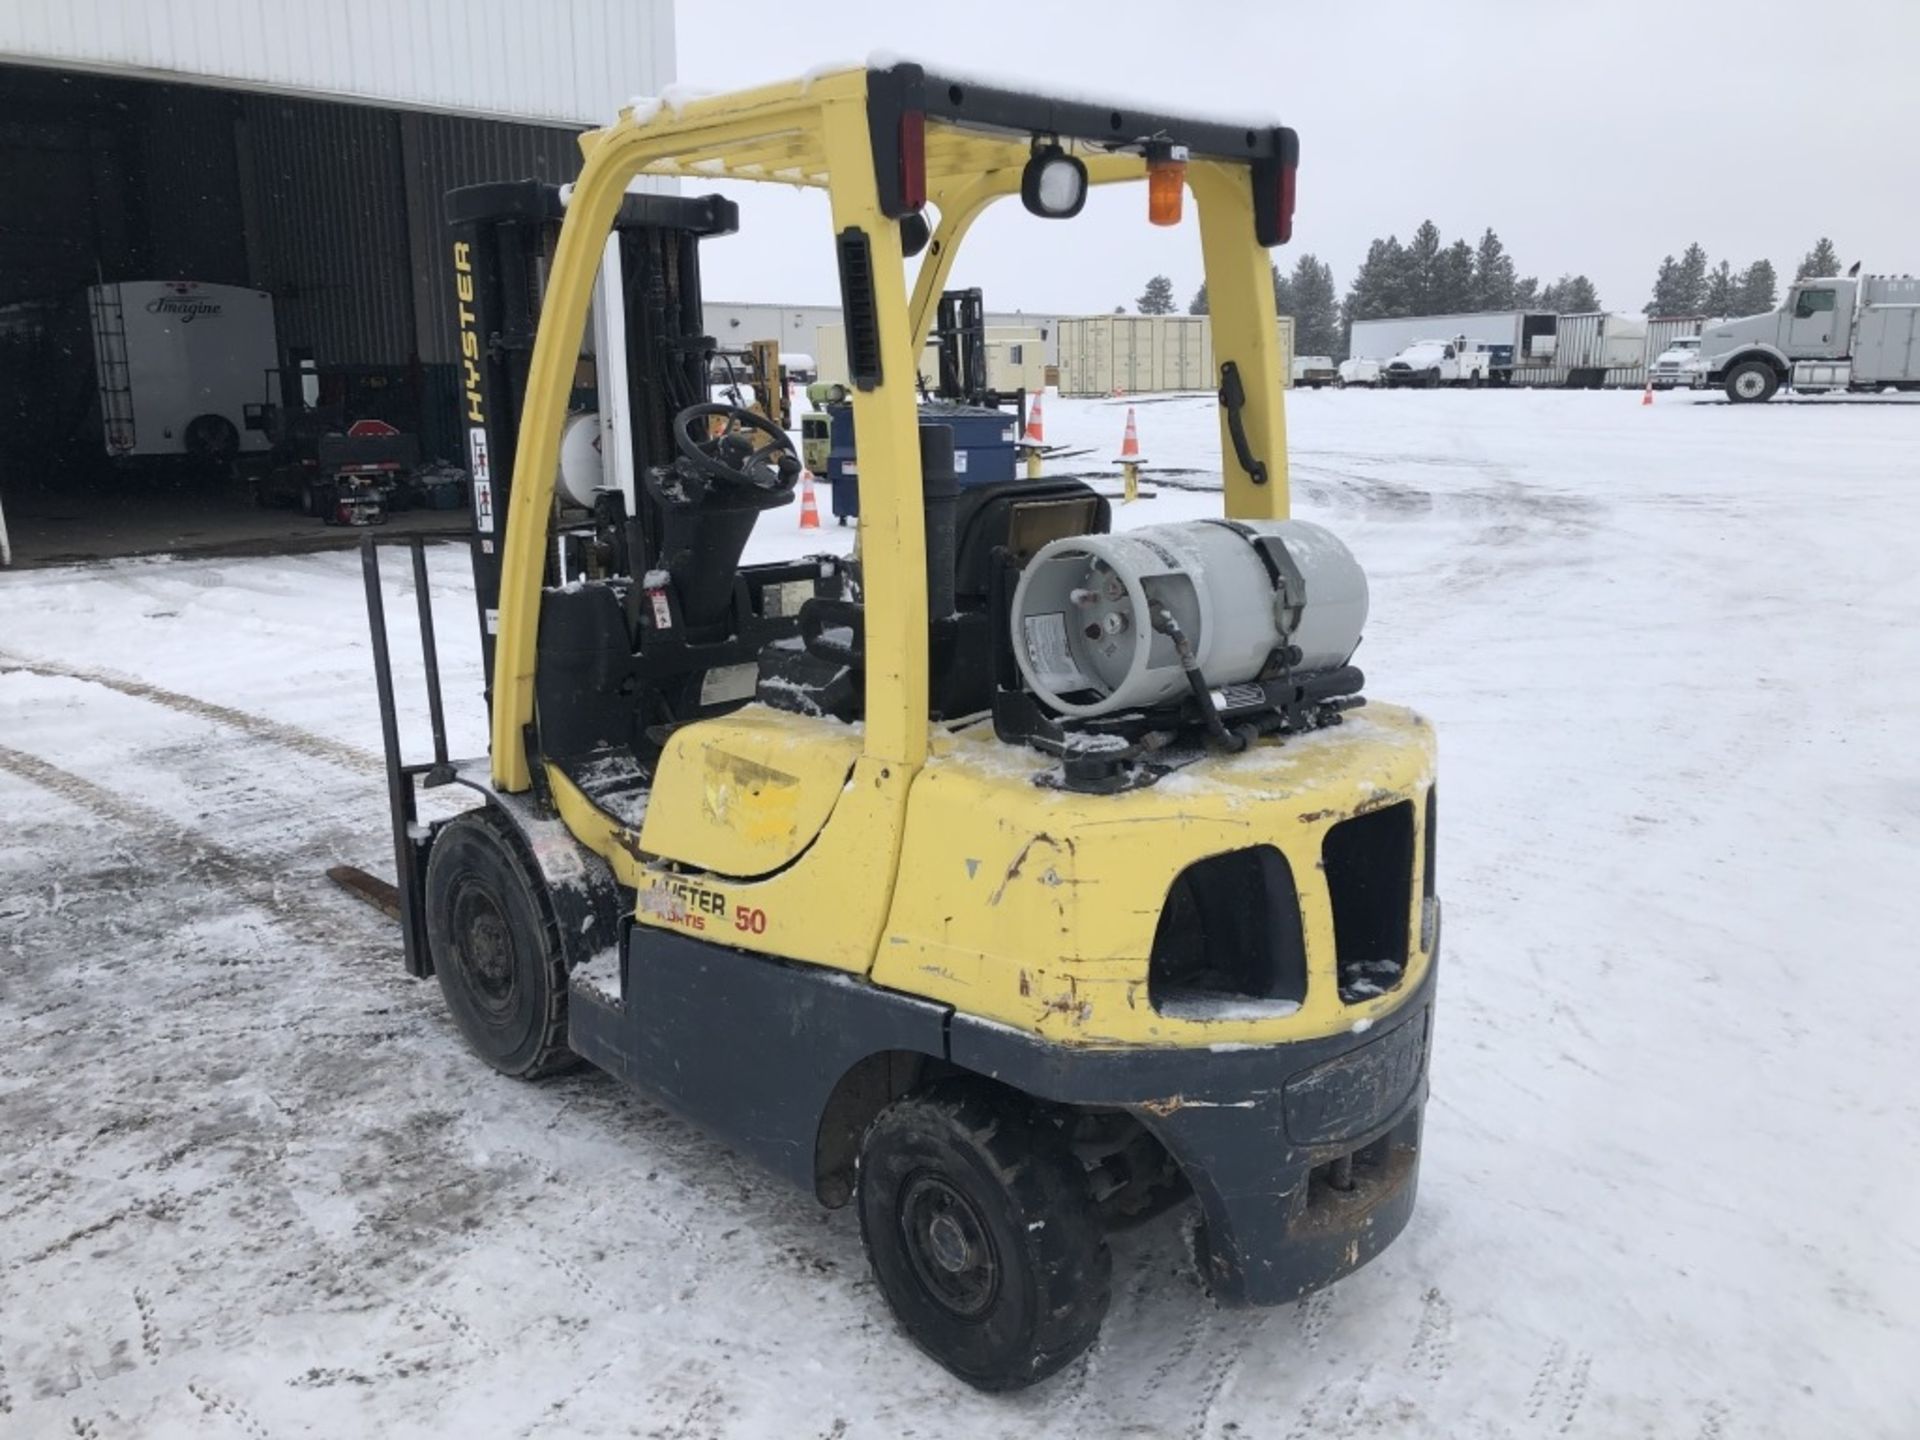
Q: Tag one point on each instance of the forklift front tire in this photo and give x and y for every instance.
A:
(495, 947)
(981, 1233)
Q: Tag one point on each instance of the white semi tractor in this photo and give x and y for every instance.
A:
(1838, 332)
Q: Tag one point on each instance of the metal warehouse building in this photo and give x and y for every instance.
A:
(300, 150)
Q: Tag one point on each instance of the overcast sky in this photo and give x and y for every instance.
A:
(1593, 137)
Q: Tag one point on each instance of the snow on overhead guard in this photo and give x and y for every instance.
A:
(1084, 613)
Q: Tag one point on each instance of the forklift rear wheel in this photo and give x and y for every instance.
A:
(495, 948)
(981, 1233)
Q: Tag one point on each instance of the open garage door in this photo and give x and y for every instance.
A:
(138, 410)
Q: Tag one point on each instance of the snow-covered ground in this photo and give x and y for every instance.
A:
(251, 1183)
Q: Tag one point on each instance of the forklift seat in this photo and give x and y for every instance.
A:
(819, 673)
(1018, 516)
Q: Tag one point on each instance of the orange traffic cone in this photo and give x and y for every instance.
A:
(809, 507)
(1130, 461)
(1036, 427)
(1646, 397)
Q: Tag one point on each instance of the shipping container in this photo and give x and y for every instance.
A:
(1145, 354)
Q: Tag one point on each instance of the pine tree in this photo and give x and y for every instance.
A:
(1379, 287)
(1823, 259)
(1690, 281)
(1282, 292)
(1665, 288)
(1157, 298)
(1198, 305)
(1526, 293)
(1493, 278)
(1759, 291)
(1570, 295)
(1453, 288)
(1316, 308)
(1422, 270)
(1722, 292)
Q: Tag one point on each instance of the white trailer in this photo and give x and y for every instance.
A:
(1590, 350)
(176, 363)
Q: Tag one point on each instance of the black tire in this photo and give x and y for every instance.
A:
(1752, 382)
(495, 947)
(981, 1233)
(212, 441)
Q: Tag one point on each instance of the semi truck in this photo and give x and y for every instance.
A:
(1837, 332)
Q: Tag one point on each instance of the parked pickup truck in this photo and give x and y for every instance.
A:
(1313, 371)
(1840, 332)
(1439, 362)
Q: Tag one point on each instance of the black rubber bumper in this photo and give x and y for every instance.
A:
(1305, 1157)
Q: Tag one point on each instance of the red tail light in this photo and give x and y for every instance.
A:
(1283, 210)
(913, 158)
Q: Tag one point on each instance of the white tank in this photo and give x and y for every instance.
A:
(1083, 629)
(581, 472)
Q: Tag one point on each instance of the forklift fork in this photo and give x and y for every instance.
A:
(411, 840)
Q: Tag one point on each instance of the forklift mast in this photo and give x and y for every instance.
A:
(504, 236)
(961, 334)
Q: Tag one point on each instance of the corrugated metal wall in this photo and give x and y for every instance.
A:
(326, 220)
(560, 61)
(441, 153)
(190, 180)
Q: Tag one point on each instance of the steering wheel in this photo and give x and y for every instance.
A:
(749, 451)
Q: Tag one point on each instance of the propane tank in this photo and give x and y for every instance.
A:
(1091, 613)
(581, 473)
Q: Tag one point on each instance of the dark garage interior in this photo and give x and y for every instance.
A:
(332, 209)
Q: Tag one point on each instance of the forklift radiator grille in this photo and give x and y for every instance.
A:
(1369, 869)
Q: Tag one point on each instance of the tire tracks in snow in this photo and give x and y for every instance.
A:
(178, 848)
(258, 727)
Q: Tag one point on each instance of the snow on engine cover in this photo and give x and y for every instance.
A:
(1084, 630)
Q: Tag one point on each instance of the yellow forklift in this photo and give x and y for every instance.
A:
(1012, 882)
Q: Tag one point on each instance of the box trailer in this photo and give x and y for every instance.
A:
(1515, 338)
(1591, 350)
